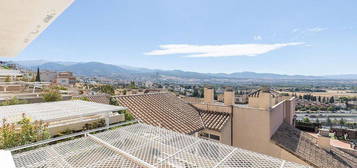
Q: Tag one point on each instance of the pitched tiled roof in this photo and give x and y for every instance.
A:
(103, 98)
(164, 110)
(192, 100)
(304, 147)
(214, 120)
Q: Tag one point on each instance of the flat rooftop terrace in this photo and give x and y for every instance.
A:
(55, 111)
(9, 72)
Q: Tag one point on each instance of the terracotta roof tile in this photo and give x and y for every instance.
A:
(104, 99)
(304, 147)
(164, 110)
(214, 120)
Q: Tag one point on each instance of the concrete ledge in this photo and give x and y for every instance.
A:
(6, 159)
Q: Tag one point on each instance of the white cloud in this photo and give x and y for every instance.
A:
(258, 37)
(219, 50)
(316, 29)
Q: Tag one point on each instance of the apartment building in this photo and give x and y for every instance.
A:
(48, 76)
(264, 125)
(65, 78)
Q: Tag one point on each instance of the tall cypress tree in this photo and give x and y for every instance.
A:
(38, 79)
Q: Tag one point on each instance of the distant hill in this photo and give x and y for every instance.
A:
(345, 76)
(96, 69)
(86, 69)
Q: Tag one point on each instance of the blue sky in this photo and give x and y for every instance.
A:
(309, 37)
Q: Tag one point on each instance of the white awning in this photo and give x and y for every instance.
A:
(21, 21)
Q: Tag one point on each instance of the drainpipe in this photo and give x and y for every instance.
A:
(232, 107)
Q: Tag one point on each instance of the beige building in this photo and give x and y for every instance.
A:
(264, 125)
(48, 76)
(65, 78)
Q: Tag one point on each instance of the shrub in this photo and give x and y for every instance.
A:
(13, 101)
(128, 116)
(113, 101)
(7, 79)
(59, 87)
(331, 108)
(52, 95)
(100, 123)
(80, 98)
(108, 89)
(314, 108)
(306, 120)
(23, 132)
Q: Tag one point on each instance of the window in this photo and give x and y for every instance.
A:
(209, 136)
(202, 134)
(214, 137)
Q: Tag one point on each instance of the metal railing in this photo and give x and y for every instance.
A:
(69, 136)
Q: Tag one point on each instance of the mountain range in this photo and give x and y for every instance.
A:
(97, 69)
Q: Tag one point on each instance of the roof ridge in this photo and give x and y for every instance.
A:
(159, 109)
(140, 94)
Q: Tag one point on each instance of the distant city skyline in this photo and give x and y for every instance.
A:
(284, 37)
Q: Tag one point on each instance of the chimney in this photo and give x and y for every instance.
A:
(208, 95)
(261, 99)
(229, 97)
(323, 139)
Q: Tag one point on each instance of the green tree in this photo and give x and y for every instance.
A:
(324, 100)
(306, 120)
(342, 122)
(108, 89)
(132, 85)
(113, 101)
(128, 116)
(195, 93)
(51, 95)
(314, 108)
(332, 99)
(201, 93)
(215, 96)
(38, 78)
(328, 122)
(330, 108)
(322, 108)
